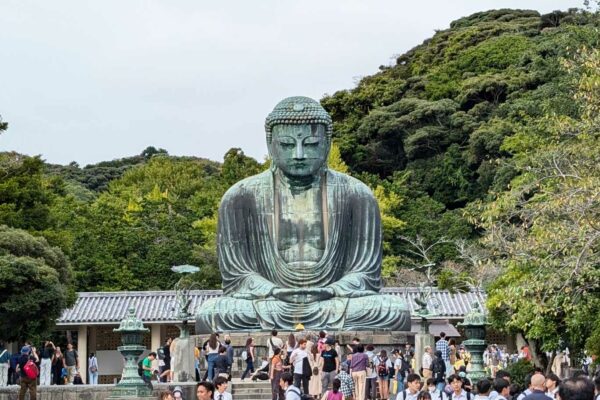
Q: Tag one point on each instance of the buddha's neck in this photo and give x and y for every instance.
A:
(300, 184)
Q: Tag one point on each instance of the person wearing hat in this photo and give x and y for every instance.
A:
(178, 393)
(347, 387)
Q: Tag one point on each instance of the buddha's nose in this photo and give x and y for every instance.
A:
(299, 155)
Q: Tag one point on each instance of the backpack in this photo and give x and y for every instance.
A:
(244, 355)
(140, 368)
(31, 370)
(302, 396)
(382, 369)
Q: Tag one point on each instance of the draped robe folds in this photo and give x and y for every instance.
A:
(252, 267)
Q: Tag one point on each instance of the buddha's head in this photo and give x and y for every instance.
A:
(299, 137)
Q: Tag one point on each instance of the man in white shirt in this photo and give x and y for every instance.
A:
(552, 382)
(458, 393)
(434, 392)
(273, 343)
(220, 389)
(426, 362)
(286, 382)
(413, 386)
(297, 360)
(502, 387)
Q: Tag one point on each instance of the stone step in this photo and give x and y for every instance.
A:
(250, 385)
(251, 391)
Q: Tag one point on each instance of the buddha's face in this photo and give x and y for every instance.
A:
(299, 151)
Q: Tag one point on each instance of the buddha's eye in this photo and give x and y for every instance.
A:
(286, 143)
(311, 142)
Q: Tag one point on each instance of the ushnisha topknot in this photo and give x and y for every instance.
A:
(298, 110)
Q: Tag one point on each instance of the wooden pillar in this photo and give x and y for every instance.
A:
(155, 338)
(82, 351)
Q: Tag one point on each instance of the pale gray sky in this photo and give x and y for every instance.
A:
(89, 81)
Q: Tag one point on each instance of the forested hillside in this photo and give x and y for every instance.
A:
(432, 126)
(455, 140)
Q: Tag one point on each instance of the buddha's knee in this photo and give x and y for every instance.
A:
(384, 312)
(224, 314)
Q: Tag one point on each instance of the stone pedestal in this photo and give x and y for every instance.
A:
(184, 359)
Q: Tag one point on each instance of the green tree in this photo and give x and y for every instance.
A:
(544, 231)
(35, 285)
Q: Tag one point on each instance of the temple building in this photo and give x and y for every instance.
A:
(92, 319)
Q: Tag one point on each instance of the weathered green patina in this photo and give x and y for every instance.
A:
(131, 385)
(300, 243)
(475, 324)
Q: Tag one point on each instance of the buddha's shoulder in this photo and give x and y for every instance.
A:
(348, 183)
(249, 186)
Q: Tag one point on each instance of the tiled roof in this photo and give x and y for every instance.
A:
(100, 308)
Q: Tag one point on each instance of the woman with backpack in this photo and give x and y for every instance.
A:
(249, 357)
(382, 365)
(334, 393)
(438, 367)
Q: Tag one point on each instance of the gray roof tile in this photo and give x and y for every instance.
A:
(158, 306)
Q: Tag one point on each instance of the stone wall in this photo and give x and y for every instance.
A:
(87, 392)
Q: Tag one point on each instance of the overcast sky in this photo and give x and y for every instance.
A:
(89, 81)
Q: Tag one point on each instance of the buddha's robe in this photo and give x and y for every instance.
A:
(252, 266)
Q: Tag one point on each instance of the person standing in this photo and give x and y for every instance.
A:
(538, 388)
(229, 353)
(71, 363)
(274, 343)
(443, 347)
(221, 389)
(212, 352)
(4, 365)
(413, 386)
(291, 392)
(46, 363)
(315, 388)
(93, 369)
(552, 383)
(249, 357)
(147, 369)
(371, 381)
(426, 363)
(458, 393)
(331, 365)
(27, 383)
(275, 372)
(358, 368)
(291, 345)
(297, 360)
(438, 368)
(165, 365)
(222, 366)
(347, 387)
(335, 392)
(205, 390)
(383, 365)
(58, 363)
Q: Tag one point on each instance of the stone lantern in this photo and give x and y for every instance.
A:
(131, 385)
(475, 324)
